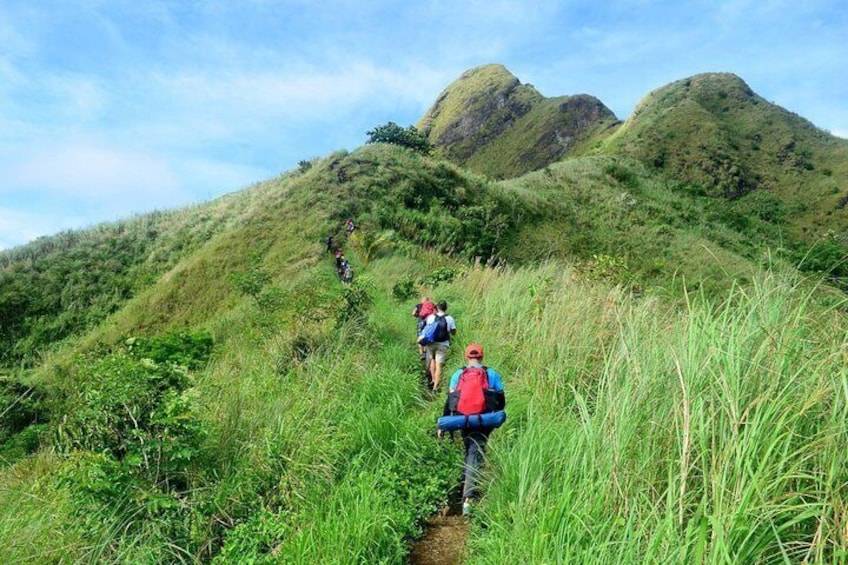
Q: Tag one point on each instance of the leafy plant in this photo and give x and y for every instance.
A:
(438, 276)
(392, 133)
(404, 289)
(356, 298)
(188, 349)
(23, 419)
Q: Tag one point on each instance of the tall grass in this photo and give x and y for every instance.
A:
(347, 445)
(640, 431)
(711, 434)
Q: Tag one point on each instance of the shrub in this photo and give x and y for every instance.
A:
(356, 298)
(137, 413)
(439, 276)
(394, 134)
(404, 289)
(22, 419)
(188, 349)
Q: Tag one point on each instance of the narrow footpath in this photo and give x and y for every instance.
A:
(445, 533)
(443, 542)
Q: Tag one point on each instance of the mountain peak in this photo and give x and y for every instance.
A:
(488, 121)
(706, 89)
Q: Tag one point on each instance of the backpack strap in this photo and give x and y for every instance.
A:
(479, 417)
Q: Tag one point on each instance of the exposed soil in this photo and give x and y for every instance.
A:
(443, 542)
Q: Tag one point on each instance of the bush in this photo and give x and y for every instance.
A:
(356, 298)
(135, 412)
(439, 276)
(22, 419)
(187, 349)
(404, 289)
(392, 133)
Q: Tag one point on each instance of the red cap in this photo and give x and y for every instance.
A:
(474, 351)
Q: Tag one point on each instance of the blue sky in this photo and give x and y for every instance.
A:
(110, 108)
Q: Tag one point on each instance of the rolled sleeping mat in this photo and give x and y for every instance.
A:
(476, 422)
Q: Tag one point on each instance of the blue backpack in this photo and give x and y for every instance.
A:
(435, 331)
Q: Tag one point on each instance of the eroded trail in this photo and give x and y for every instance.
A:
(443, 542)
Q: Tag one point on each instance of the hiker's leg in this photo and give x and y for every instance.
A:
(428, 371)
(440, 351)
(475, 448)
(435, 372)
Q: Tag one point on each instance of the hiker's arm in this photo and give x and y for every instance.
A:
(496, 383)
(500, 399)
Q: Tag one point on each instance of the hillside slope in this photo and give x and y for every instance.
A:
(596, 210)
(713, 132)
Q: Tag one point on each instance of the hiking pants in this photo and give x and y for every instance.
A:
(475, 449)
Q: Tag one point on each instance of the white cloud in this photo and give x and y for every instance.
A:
(75, 97)
(297, 92)
(17, 228)
(843, 133)
(92, 173)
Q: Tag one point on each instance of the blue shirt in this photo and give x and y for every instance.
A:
(495, 380)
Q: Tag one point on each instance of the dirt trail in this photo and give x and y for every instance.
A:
(445, 533)
(443, 542)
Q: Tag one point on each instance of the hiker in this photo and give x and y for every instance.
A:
(436, 336)
(330, 243)
(349, 226)
(421, 311)
(340, 261)
(474, 389)
(347, 272)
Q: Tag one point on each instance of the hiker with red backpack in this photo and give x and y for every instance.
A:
(475, 405)
(421, 311)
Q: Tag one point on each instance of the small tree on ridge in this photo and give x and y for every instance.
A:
(393, 133)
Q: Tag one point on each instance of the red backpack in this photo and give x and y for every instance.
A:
(471, 391)
(427, 308)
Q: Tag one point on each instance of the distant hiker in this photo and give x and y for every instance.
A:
(330, 243)
(349, 226)
(421, 311)
(340, 260)
(436, 336)
(347, 272)
(474, 389)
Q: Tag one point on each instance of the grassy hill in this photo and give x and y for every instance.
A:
(489, 122)
(196, 386)
(713, 132)
(773, 176)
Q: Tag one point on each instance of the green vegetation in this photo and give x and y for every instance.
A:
(196, 386)
(489, 122)
(710, 434)
(392, 133)
(713, 133)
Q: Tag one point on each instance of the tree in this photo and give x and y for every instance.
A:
(393, 133)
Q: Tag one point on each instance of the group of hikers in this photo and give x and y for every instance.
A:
(434, 329)
(343, 268)
(475, 399)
